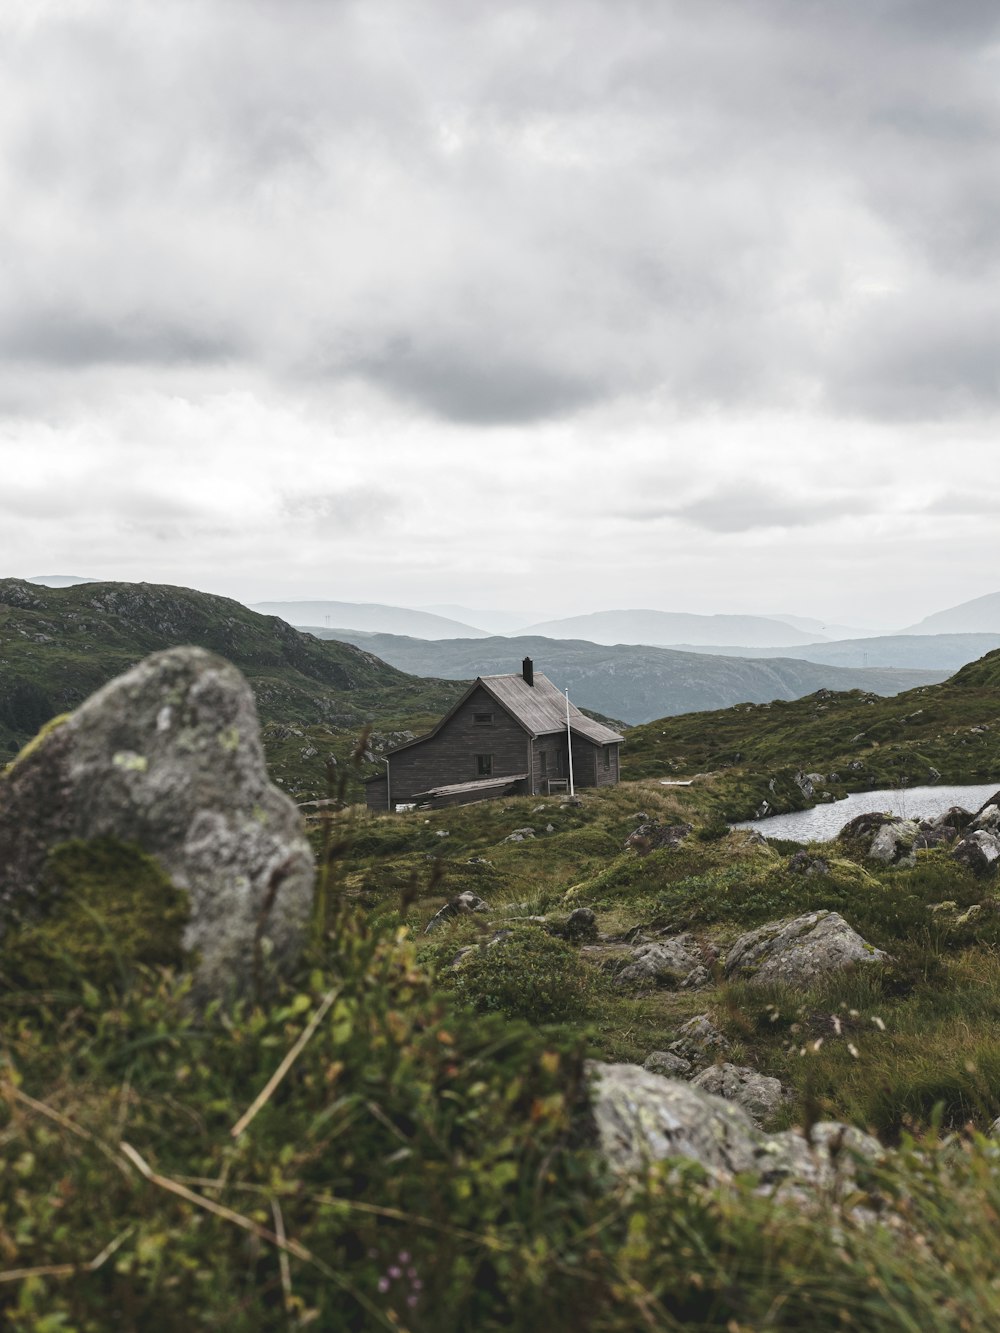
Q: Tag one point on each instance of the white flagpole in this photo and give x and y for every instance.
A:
(569, 745)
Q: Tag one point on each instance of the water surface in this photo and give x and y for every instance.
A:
(824, 822)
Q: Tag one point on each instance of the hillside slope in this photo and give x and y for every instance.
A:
(980, 616)
(629, 682)
(922, 652)
(57, 645)
(949, 732)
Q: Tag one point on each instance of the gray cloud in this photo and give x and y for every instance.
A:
(508, 214)
(752, 506)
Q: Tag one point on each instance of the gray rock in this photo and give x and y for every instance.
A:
(979, 851)
(580, 925)
(804, 864)
(698, 1041)
(461, 905)
(662, 962)
(988, 818)
(168, 757)
(799, 952)
(652, 835)
(759, 1095)
(667, 1064)
(641, 1117)
(893, 844)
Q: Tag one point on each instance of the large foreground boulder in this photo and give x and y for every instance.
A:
(641, 1118)
(167, 758)
(798, 952)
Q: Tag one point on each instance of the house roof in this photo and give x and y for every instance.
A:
(539, 708)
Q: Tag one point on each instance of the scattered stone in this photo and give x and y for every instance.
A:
(168, 758)
(979, 851)
(652, 835)
(987, 818)
(698, 1041)
(666, 962)
(759, 1095)
(462, 905)
(520, 834)
(865, 825)
(642, 1117)
(580, 925)
(799, 952)
(894, 843)
(802, 863)
(667, 1064)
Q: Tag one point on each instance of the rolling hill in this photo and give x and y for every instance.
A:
(667, 628)
(370, 616)
(58, 645)
(634, 684)
(923, 652)
(980, 616)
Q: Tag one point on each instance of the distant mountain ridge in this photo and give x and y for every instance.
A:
(921, 652)
(634, 683)
(371, 616)
(668, 628)
(980, 616)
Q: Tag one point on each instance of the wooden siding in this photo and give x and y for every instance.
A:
(450, 755)
(377, 793)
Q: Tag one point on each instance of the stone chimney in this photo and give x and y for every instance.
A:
(528, 671)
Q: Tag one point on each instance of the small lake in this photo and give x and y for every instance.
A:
(824, 822)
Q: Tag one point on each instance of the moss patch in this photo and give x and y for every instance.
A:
(109, 908)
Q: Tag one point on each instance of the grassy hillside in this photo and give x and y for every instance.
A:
(948, 732)
(57, 645)
(424, 1162)
(635, 683)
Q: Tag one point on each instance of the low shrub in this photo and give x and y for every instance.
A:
(529, 975)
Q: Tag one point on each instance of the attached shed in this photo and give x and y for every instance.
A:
(507, 734)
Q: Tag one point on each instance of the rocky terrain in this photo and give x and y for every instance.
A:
(598, 1062)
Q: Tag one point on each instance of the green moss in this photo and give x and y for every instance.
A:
(35, 742)
(108, 907)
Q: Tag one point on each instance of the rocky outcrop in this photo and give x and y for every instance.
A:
(979, 851)
(799, 952)
(677, 961)
(641, 1118)
(667, 1064)
(698, 1041)
(461, 905)
(894, 842)
(759, 1095)
(168, 758)
(652, 835)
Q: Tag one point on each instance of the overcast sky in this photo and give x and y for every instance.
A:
(689, 304)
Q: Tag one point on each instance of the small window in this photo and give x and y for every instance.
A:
(482, 719)
(484, 765)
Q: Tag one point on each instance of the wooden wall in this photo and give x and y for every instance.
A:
(450, 756)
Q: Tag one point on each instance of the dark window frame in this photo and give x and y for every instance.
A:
(484, 765)
(483, 719)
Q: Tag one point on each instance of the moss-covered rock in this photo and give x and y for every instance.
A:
(167, 758)
(105, 908)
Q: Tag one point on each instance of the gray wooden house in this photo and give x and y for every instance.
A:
(507, 735)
